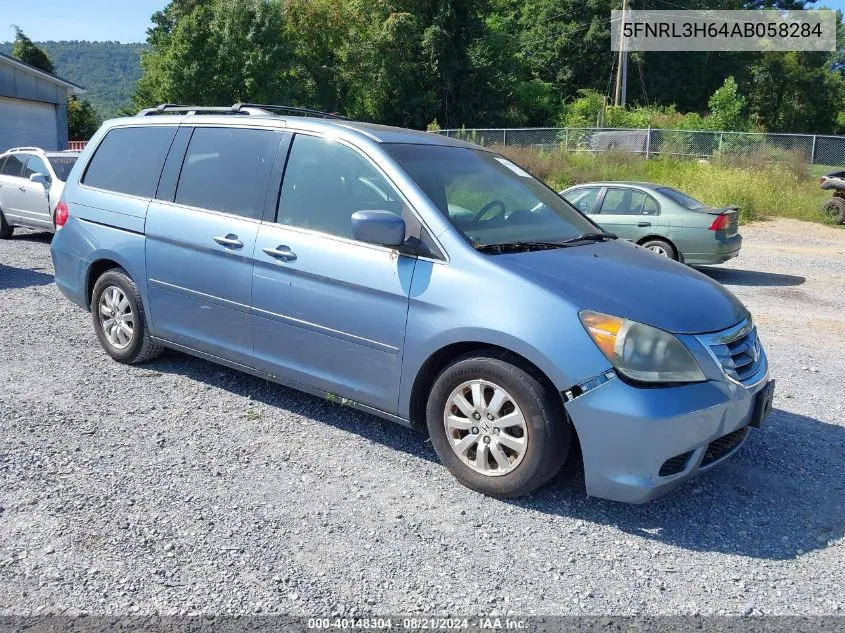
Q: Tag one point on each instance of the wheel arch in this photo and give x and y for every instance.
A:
(96, 270)
(441, 358)
(662, 238)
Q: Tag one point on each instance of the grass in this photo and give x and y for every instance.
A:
(761, 189)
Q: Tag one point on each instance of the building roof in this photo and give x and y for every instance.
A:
(75, 88)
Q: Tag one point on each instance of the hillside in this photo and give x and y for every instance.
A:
(107, 70)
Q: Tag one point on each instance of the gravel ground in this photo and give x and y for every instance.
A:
(182, 487)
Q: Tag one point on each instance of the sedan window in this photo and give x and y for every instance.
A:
(582, 199)
(682, 199)
(628, 202)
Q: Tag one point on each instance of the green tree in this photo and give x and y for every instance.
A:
(796, 92)
(25, 50)
(216, 53)
(82, 119)
(727, 108)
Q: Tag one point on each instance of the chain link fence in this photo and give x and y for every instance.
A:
(651, 142)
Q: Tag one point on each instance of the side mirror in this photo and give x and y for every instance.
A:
(378, 227)
(40, 178)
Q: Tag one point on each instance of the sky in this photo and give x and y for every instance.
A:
(97, 20)
(120, 20)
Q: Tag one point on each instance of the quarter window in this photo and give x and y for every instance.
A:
(13, 165)
(326, 182)
(628, 202)
(228, 169)
(129, 160)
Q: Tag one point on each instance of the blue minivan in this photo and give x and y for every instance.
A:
(419, 278)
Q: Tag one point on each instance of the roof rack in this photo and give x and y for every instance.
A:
(24, 149)
(174, 108)
(291, 109)
(253, 109)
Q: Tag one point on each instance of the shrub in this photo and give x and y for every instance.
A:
(768, 189)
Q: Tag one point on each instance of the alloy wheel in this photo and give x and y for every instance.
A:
(485, 427)
(116, 317)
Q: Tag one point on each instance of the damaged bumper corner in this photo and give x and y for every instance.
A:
(640, 443)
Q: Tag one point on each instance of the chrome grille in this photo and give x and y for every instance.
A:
(739, 352)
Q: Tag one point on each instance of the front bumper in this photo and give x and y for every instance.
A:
(628, 433)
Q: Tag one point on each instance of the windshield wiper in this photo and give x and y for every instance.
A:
(516, 246)
(591, 237)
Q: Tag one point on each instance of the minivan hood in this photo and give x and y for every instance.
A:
(620, 279)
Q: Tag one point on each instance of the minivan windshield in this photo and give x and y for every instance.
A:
(489, 199)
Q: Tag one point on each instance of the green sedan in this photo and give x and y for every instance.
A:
(661, 219)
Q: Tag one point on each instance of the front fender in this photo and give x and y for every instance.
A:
(534, 323)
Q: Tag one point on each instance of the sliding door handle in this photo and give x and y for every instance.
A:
(643, 223)
(229, 241)
(281, 252)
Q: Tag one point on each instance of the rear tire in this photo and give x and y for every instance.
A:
(6, 229)
(661, 247)
(835, 207)
(120, 320)
(491, 453)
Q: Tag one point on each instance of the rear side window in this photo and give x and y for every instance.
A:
(13, 165)
(129, 160)
(228, 169)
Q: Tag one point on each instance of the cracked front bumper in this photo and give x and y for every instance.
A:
(628, 433)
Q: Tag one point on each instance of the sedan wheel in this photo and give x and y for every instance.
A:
(117, 318)
(660, 247)
(485, 427)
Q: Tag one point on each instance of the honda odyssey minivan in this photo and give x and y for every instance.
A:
(422, 279)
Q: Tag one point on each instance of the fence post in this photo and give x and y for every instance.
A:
(504, 137)
(566, 139)
(813, 151)
(648, 143)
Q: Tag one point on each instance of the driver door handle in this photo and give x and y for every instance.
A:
(22, 188)
(643, 223)
(229, 241)
(281, 252)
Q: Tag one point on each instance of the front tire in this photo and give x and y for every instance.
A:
(496, 427)
(120, 320)
(6, 229)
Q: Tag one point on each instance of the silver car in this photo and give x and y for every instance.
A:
(31, 184)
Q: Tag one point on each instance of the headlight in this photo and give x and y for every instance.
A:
(641, 352)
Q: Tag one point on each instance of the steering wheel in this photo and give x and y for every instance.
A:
(487, 207)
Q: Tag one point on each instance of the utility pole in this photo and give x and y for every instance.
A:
(622, 63)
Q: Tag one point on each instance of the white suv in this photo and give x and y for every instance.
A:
(31, 183)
